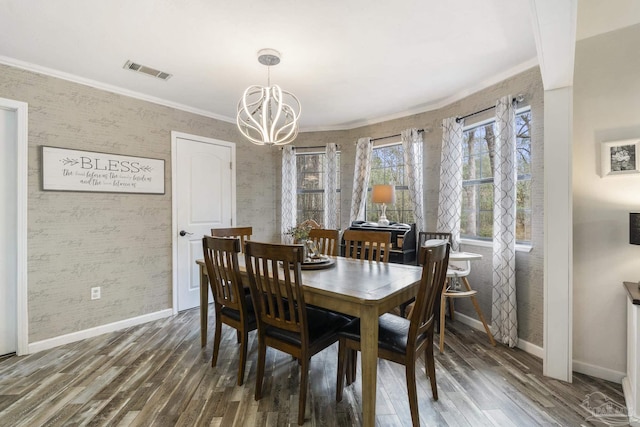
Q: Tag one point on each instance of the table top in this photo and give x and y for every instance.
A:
(357, 282)
(362, 280)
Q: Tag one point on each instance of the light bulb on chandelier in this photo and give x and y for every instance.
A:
(268, 115)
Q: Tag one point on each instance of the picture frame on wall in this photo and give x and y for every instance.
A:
(620, 157)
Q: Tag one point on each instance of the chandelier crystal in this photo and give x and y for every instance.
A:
(268, 115)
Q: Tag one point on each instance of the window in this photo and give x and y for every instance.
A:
(310, 192)
(477, 180)
(387, 167)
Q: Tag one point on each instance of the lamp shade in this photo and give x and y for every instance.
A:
(634, 228)
(383, 194)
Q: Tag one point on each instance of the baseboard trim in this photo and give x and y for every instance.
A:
(598, 371)
(522, 344)
(98, 330)
(578, 366)
(634, 421)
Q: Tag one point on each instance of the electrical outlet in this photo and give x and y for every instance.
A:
(95, 292)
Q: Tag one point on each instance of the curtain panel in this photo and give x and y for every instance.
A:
(331, 187)
(364, 153)
(412, 146)
(450, 196)
(289, 197)
(504, 315)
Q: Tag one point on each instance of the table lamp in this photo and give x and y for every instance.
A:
(383, 194)
(634, 228)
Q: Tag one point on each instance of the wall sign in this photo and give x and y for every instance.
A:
(74, 170)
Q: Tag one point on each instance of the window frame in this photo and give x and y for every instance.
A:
(521, 245)
(404, 187)
(302, 191)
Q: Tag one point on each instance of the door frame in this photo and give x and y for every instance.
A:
(174, 204)
(22, 320)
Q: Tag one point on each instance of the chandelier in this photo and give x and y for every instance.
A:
(268, 115)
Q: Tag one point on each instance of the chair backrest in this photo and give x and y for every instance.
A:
(367, 245)
(243, 233)
(221, 259)
(326, 240)
(274, 272)
(423, 236)
(434, 260)
(310, 223)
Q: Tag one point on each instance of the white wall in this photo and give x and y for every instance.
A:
(606, 108)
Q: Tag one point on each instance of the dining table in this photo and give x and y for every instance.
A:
(364, 289)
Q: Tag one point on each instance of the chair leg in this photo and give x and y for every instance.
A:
(238, 337)
(243, 355)
(304, 382)
(443, 303)
(477, 307)
(410, 372)
(217, 336)
(430, 367)
(262, 352)
(342, 360)
(452, 309)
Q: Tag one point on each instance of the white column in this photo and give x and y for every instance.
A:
(558, 233)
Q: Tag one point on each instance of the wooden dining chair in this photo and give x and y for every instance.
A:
(243, 233)
(284, 320)
(367, 245)
(401, 340)
(423, 236)
(325, 240)
(232, 304)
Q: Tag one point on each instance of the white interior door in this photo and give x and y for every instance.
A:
(8, 235)
(204, 197)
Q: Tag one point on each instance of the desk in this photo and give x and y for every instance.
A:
(359, 288)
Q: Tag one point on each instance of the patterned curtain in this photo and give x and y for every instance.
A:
(289, 207)
(450, 199)
(331, 187)
(504, 316)
(413, 160)
(364, 152)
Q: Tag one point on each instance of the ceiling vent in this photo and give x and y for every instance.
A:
(130, 65)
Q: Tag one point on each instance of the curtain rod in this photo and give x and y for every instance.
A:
(391, 136)
(311, 147)
(516, 99)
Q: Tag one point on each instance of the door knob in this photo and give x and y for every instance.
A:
(184, 233)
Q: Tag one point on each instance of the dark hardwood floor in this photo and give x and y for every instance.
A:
(156, 374)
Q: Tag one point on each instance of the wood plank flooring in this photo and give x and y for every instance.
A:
(156, 374)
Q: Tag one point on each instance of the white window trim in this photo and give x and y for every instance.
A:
(520, 247)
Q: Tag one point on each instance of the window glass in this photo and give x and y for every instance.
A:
(477, 180)
(387, 167)
(310, 187)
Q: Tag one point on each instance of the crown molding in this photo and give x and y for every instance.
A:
(109, 88)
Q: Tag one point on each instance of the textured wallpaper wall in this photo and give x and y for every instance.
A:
(121, 242)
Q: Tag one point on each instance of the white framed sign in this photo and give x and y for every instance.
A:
(74, 170)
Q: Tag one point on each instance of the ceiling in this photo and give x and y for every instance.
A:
(350, 62)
